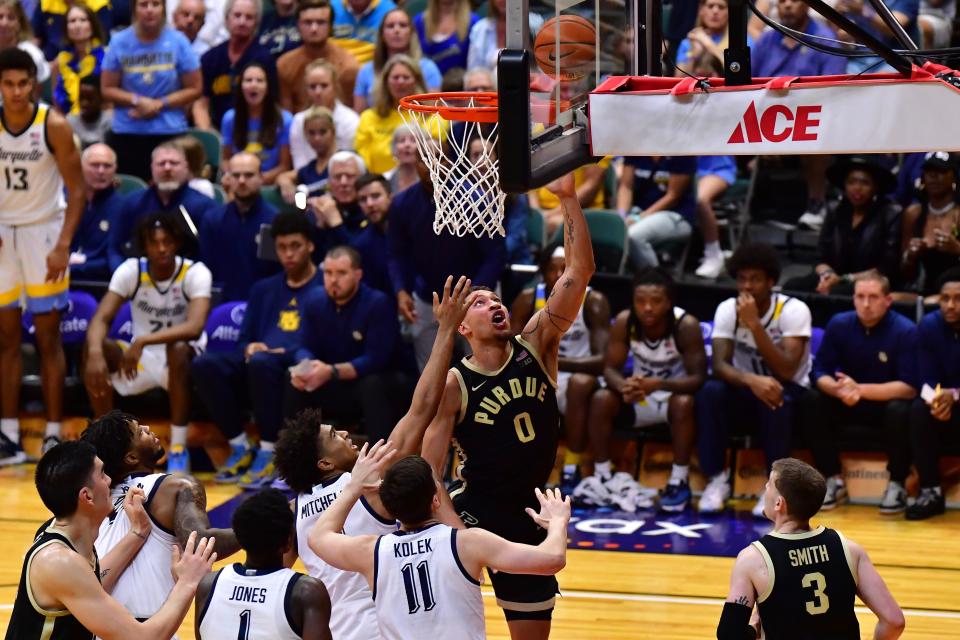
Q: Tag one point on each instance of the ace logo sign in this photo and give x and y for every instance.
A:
(777, 123)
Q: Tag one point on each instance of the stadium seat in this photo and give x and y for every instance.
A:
(223, 326)
(73, 322)
(212, 146)
(129, 184)
(608, 232)
(122, 326)
(219, 194)
(816, 339)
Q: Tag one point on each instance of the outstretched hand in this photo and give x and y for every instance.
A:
(553, 507)
(563, 187)
(369, 465)
(450, 309)
(196, 560)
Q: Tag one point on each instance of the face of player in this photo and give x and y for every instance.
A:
(651, 304)
(96, 493)
(293, 251)
(552, 272)
(793, 13)
(860, 188)
(343, 181)
(338, 449)
(405, 149)
(148, 14)
(939, 182)
(314, 26)
(870, 302)
(169, 169)
(950, 303)
(161, 249)
(320, 89)
(9, 26)
(246, 176)
(99, 168)
(253, 84)
(713, 15)
(320, 135)
(401, 82)
(189, 17)
(17, 89)
(770, 497)
(755, 282)
(79, 28)
(242, 20)
(341, 279)
(487, 318)
(374, 202)
(397, 31)
(146, 445)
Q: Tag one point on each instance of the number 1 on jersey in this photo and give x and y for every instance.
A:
(244, 632)
(410, 585)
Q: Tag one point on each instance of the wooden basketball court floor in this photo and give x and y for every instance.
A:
(615, 594)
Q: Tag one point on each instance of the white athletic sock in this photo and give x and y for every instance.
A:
(178, 435)
(240, 440)
(603, 470)
(712, 250)
(936, 490)
(266, 446)
(10, 427)
(679, 473)
(53, 430)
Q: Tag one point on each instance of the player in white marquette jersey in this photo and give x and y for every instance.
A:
(259, 599)
(425, 578)
(37, 159)
(169, 301)
(669, 365)
(176, 505)
(316, 460)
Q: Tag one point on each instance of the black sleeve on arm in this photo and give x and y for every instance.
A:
(735, 623)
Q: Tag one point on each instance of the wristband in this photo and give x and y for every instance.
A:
(334, 374)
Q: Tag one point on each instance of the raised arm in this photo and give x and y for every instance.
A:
(449, 310)
(874, 592)
(596, 312)
(436, 440)
(181, 505)
(548, 325)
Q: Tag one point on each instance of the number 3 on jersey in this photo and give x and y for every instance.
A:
(16, 178)
(820, 603)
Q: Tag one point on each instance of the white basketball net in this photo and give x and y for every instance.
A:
(467, 193)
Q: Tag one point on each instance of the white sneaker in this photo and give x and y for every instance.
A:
(710, 267)
(715, 495)
(757, 510)
(894, 499)
(591, 493)
(624, 491)
(836, 494)
(812, 219)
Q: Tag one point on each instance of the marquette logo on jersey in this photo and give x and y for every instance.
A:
(498, 397)
(289, 320)
(34, 155)
(161, 312)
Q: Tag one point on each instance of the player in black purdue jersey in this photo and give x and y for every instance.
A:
(500, 405)
(804, 580)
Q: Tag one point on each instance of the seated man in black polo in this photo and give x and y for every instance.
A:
(933, 420)
(348, 362)
(865, 374)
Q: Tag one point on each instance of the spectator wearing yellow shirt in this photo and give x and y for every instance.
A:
(589, 182)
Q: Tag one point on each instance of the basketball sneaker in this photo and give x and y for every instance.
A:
(710, 267)
(627, 494)
(894, 499)
(261, 473)
(178, 460)
(928, 504)
(675, 497)
(10, 452)
(569, 479)
(241, 458)
(591, 492)
(836, 494)
(715, 495)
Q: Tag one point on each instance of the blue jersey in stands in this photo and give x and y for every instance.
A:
(939, 353)
(883, 353)
(274, 312)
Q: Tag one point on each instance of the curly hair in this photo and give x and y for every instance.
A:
(111, 436)
(755, 255)
(298, 450)
(263, 523)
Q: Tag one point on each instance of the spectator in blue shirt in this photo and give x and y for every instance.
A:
(254, 375)
(444, 32)
(337, 214)
(278, 29)
(419, 260)
(865, 374)
(374, 197)
(775, 54)
(933, 422)
(223, 64)
(703, 47)
(257, 124)
(355, 25)
(347, 359)
(656, 195)
(169, 192)
(88, 251)
(862, 13)
(50, 23)
(150, 74)
(229, 234)
(80, 57)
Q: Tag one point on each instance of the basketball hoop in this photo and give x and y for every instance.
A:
(467, 192)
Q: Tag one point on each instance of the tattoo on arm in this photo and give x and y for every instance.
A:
(744, 600)
(103, 574)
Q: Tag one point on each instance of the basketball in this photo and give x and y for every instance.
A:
(577, 48)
